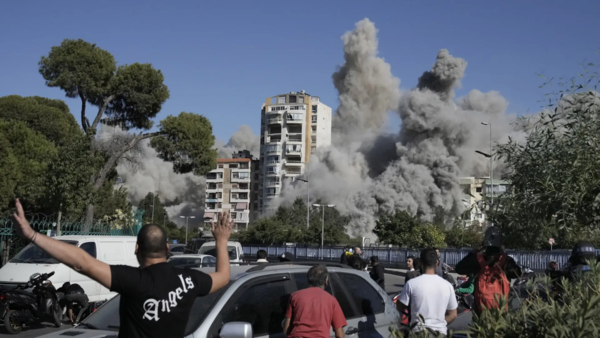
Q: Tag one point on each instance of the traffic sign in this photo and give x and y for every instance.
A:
(551, 241)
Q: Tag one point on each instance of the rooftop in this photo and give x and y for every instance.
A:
(232, 160)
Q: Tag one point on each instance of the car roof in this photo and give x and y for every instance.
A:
(84, 237)
(237, 272)
(191, 256)
(213, 243)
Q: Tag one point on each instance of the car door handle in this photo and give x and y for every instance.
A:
(351, 330)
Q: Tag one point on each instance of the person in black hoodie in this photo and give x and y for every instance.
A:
(377, 272)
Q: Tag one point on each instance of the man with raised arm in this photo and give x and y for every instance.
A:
(156, 298)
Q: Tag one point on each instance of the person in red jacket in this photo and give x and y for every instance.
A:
(313, 311)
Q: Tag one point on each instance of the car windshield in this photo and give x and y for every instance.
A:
(211, 250)
(107, 316)
(33, 254)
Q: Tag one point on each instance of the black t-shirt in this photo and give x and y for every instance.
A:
(73, 288)
(156, 300)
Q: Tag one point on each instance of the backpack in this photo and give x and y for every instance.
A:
(490, 281)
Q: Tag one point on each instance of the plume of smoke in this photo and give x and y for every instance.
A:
(243, 139)
(183, 192)
(366, 173)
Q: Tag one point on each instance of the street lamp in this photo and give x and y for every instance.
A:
(186, 225)
(323, 220)
(491, 162)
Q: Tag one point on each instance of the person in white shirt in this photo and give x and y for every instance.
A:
(261, 257)
(429, 296)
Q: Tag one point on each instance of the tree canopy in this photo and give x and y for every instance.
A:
(129, 97)
(405, 230)
(288, 224)
(554, 173)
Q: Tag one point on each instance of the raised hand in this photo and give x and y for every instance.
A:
(223, 229)
(22, 227)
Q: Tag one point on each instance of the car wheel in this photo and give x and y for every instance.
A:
(57, 315)
(11, 324)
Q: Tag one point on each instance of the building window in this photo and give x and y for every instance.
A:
(255, 186)
(314, 119)
(293, 148)
(300, 99)
(233, 165)
(255, 176)
(293, 99)
(314, 109)
(244, 166)
(220, 166)
(294, 117)
(241, 175)
(281, 99)
(478, 189)
(278, 108)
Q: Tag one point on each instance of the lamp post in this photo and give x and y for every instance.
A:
(186, 225)
(323, 219)
(491, 163)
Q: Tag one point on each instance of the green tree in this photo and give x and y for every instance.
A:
(460, 236)
(26, 157)
(152, 202)
(127, 96)
(48, 117)
(399, 229)
(554, 173)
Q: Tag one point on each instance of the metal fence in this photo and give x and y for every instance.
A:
(11, 244)
(536, 260)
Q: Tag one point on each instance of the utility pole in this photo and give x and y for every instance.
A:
(186, 226)
(323, 220)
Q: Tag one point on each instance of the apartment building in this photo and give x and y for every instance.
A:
(292, 126)
(229, 187)
(474, 192)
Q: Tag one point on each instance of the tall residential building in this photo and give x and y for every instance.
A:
(292, 126)
(230, 187)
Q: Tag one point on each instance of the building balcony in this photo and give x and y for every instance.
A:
(215, 189)
(214, 179)
(274, 120)
(272, 173)
(292, 173)
(273, 151)
(240, 189)
(273, 162)
(272, 194)
(239, 179)
(239, 199)
(273, 183)
(293, 163)
(294, 138)
(241, 220)
(293, 151)
(294, 121)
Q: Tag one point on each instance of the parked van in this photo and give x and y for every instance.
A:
(236, 254)
(111, 250)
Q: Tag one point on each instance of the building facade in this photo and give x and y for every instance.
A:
(230, 188)
(292, 126)
(475, 190)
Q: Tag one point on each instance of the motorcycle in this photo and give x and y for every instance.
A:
(18, 307)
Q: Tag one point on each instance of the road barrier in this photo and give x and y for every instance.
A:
(536, 260)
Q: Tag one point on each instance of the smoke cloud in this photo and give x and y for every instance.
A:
(142, 172)
(243, 139)
(366, 173)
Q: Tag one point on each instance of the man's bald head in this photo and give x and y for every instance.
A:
(152, 242)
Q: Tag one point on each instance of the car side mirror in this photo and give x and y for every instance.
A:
(236, 330)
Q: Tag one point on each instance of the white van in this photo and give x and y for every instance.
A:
(113, 250)
(236, 254)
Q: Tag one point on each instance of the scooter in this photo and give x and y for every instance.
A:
(19, 308)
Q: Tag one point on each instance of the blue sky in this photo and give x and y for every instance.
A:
(222, 59)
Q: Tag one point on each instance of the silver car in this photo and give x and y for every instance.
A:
(254, 302)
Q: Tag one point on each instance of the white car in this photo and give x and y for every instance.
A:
(254, 303)
(192, 261)
(236, 254)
